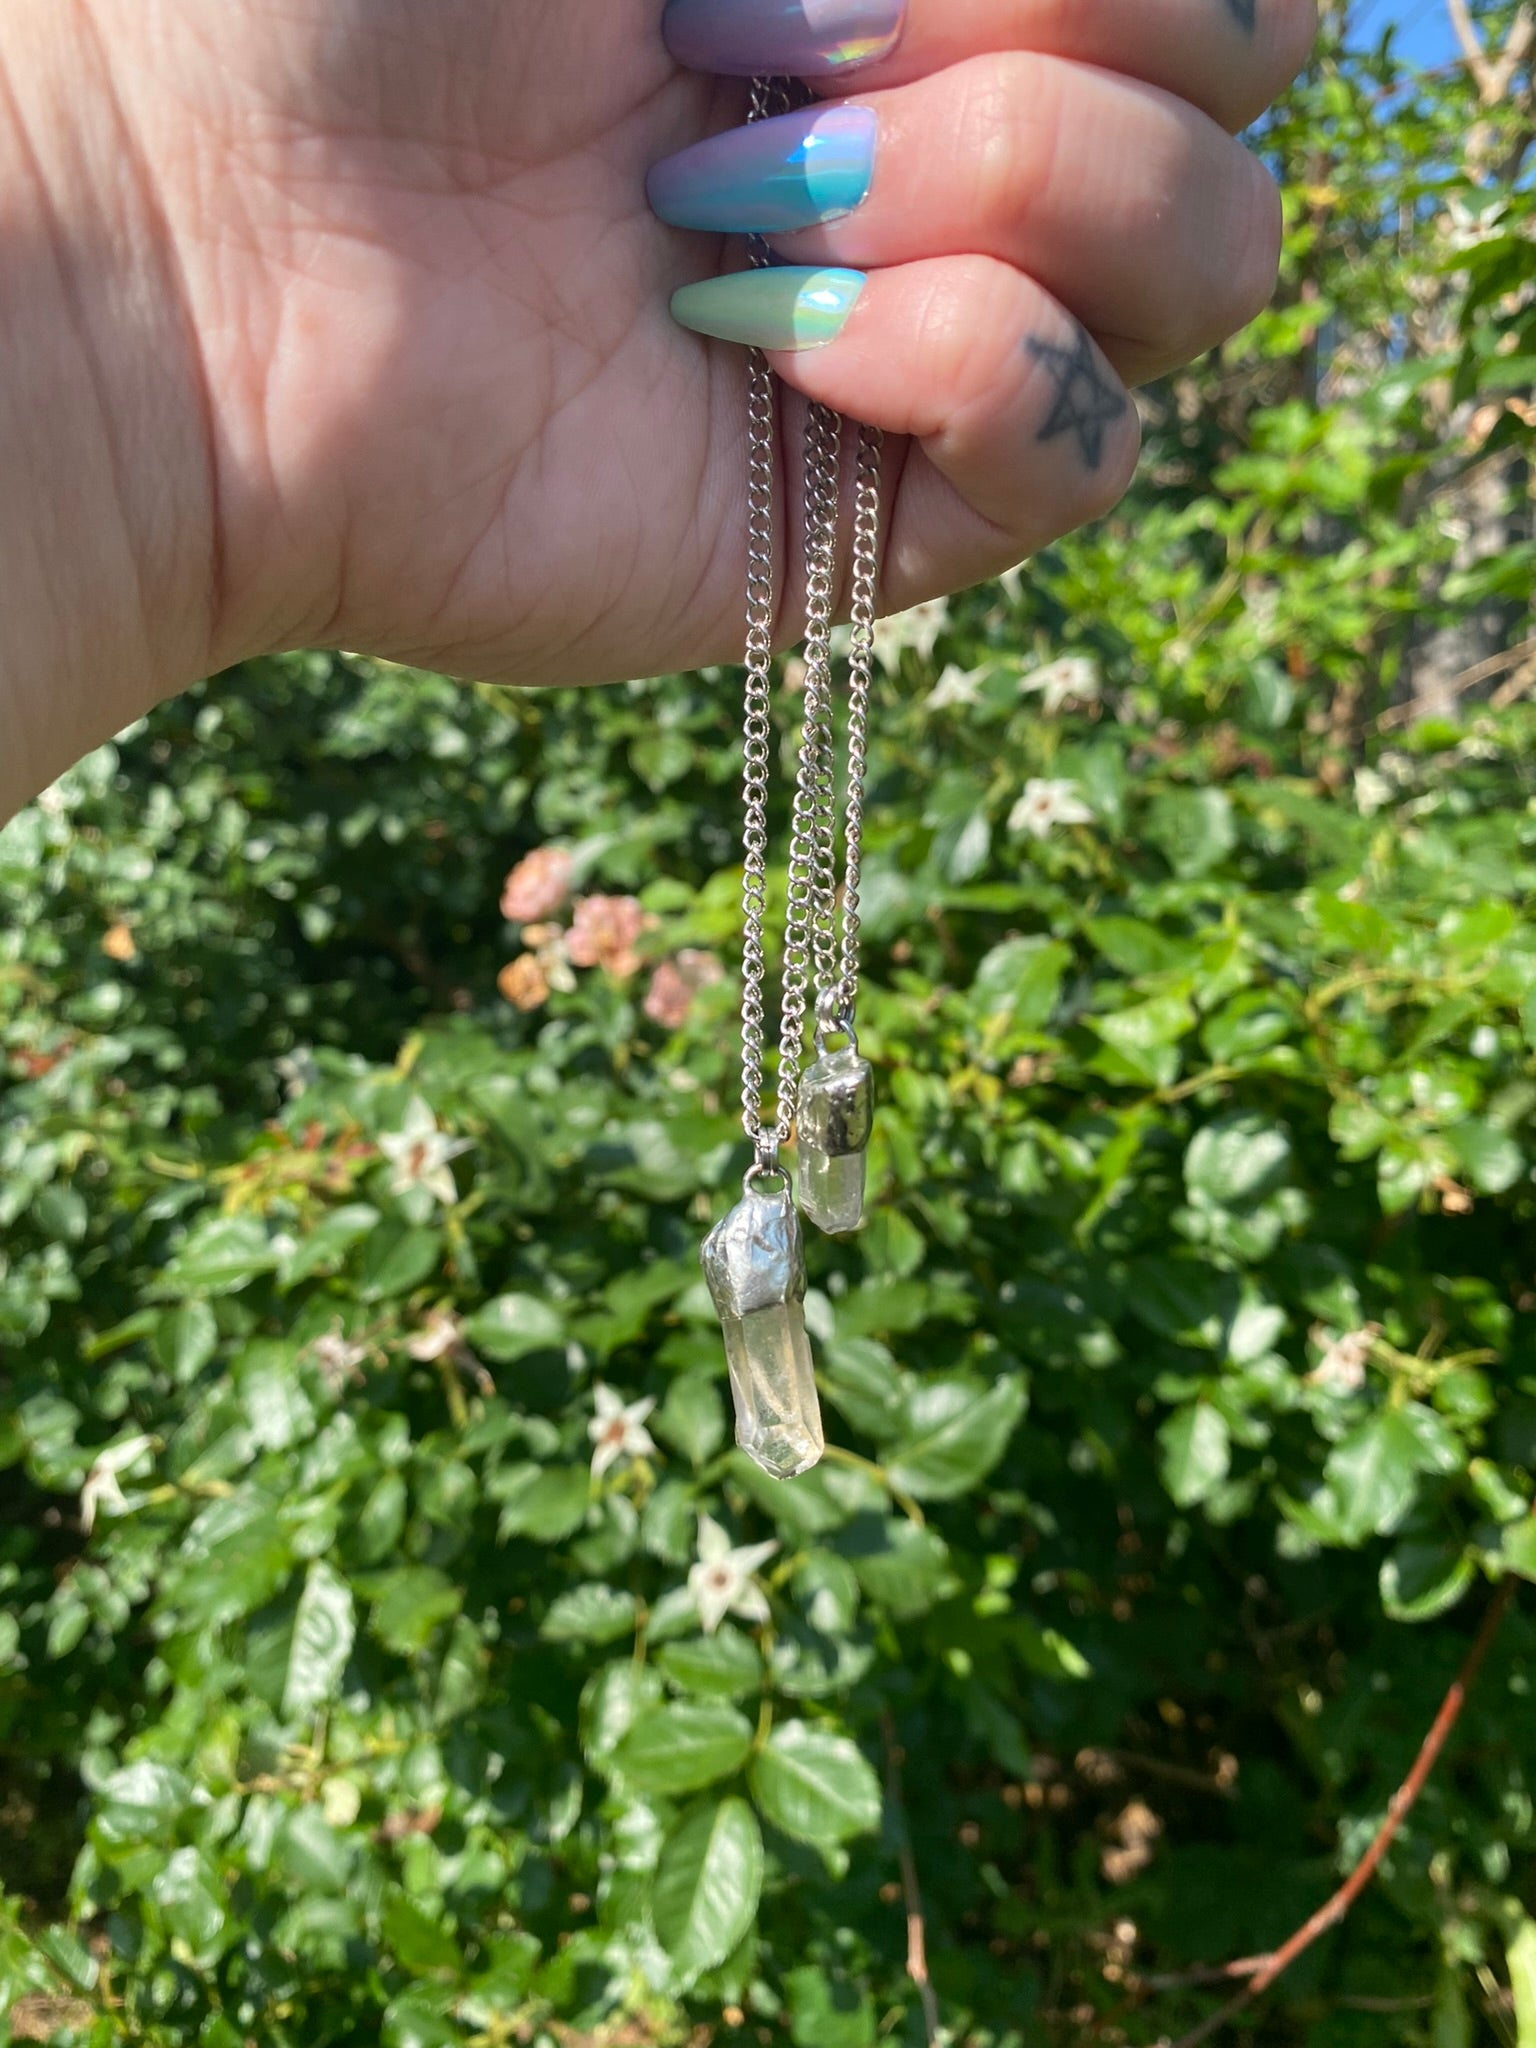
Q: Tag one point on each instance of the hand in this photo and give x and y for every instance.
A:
(398, 364)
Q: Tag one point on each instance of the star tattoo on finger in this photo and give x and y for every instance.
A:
(1086, 401)
(1244, 12)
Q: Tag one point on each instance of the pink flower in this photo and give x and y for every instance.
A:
(538, 886)
(675, 984)
(605, 932)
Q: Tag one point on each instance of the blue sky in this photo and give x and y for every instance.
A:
(1425, 35)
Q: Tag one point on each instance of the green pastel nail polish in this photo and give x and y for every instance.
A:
(785, 307)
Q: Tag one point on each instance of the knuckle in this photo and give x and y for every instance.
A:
(1008, 131)
(963, 335)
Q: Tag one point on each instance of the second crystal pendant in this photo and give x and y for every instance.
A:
(754, 1261)
(837, 1096)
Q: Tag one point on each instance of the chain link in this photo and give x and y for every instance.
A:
(814, 953)
(757, 722)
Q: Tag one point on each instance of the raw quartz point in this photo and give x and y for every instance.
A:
(754, 1261)
(837, 1101)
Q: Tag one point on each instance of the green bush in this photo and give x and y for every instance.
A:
(1182, 1385)
(1182, 1388)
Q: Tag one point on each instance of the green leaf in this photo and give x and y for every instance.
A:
(828, 2012)
(1520, 1957)
(323, 1632)
(185, 1339)
(190, 1901)
(1373, 1475)
(323, 1248)
(397, 1257)
(548, 1503)
(418, 1943)
(512, 1326)
(1020, 981)
(722, 1666)
(140, 1803)
(1490, 1158)
(612, 1700)
(590, 1614)
(409, 1605)
(1184, 1299)
(904, 1567)
(1196, 1452)
(1237, 1161)
(1518, 1547)
(312, 1854)
(708, 1883)
(691, 1419)
(221, 1255)
(1421, 1580)
(957, 1430)
(683, 1747)
(422, 2017)
(1193, 829)
(815, 1786)
(1136, 948)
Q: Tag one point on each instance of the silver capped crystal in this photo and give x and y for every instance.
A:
(754, 1262)
(837, 1105)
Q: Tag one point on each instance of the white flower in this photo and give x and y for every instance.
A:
(337, 1358)
(298, 1070)
(1045, 805)
(1485, 1043)
(918, 629)
(1372, 792)
(101, 1494)
(419, 1153)
(722, 1583)
(955, 688)
(618, 1431)
(1072, 680)
(1341, 1369)
(441, 1338)
(438, 1335)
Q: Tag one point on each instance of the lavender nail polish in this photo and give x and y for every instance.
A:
(796, 38)
(772, 177)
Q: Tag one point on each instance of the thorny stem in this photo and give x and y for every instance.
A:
(1262, 1971)
(911, 1891)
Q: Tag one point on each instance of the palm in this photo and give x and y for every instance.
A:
(528, 469)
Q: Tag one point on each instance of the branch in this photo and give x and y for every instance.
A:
(917, 1926)
(1262, 1971)
(1493, 76)
(1468, 37)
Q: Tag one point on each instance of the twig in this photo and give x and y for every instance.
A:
(917, 1926)
(1262, 1971)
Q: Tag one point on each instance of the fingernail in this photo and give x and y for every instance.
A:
(786, 307)
(770, 178)
(795, 38)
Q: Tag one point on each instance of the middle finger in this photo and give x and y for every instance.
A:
(1131, 208)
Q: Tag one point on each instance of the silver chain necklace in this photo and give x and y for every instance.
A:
(754, 1257)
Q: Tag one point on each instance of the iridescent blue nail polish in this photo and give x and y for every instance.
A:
(770, 178)
(798, 38)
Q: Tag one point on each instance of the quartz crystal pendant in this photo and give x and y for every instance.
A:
(754, 1262)
(837, 1101)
